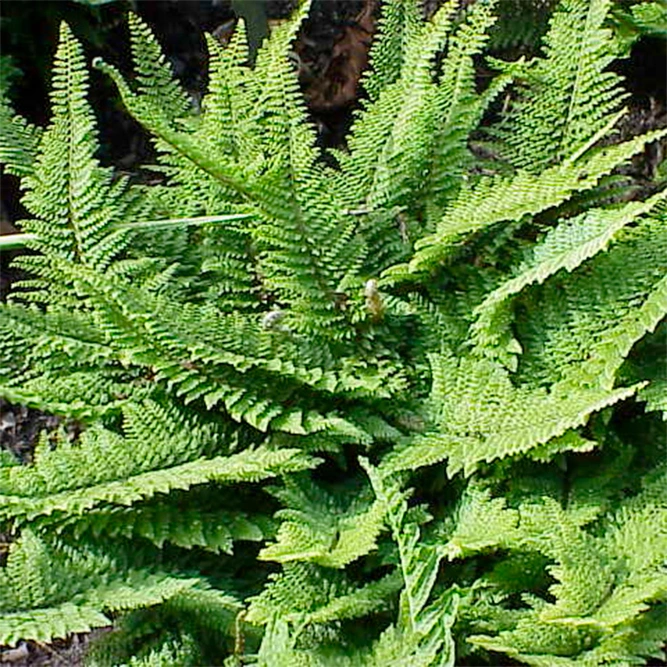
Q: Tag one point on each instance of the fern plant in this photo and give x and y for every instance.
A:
(395, 404)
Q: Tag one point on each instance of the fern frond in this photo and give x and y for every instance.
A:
(479, 522)
(228, 103)
(318, 528)
(107, 468)
(389, 175)
(201, 155)
(304, 241)
(398, 24)
(570, 96)
(155, 80)
(422, 634)
(307, 594)
(609, 313)
(19, 140)
(398, 167)
(170, 521)
(460, 110)
(23, 507)
(587, 619)
(484, 416)
(565, 247)
(75, 203)
(47, 594)
(496, 199)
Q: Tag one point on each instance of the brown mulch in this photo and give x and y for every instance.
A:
(68, 652)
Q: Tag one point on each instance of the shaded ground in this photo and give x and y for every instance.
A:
(60, 653)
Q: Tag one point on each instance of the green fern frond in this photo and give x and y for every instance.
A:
(47, 594)
(479, 522)
(390, 176)
(587, 619)
(107, 468)
(228, 104)
(19, 140)
(484, 416)
(155, 80)
(565, 247)
(569, 96)
(496, 199)
(317, 527)
(323, 597)
(460, 110)
(304, 242)
(183, 652)
(161, 522)
(422, 634)
(75, 203)
(399, 23)
(609, 313)
(200, 154)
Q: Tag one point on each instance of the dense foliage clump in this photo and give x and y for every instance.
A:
(393, 404)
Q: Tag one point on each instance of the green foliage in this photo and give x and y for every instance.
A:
(605, 580)
(391, 404)
(570, 96)
(638, 19)
(49, 591)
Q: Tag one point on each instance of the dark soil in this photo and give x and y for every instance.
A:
(59, 653)
(20, 428)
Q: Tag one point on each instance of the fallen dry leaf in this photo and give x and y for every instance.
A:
(337, 86)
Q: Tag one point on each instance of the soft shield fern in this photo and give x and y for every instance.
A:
(396, 403)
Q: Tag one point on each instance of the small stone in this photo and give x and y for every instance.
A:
(8, 422)
(15, 654)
